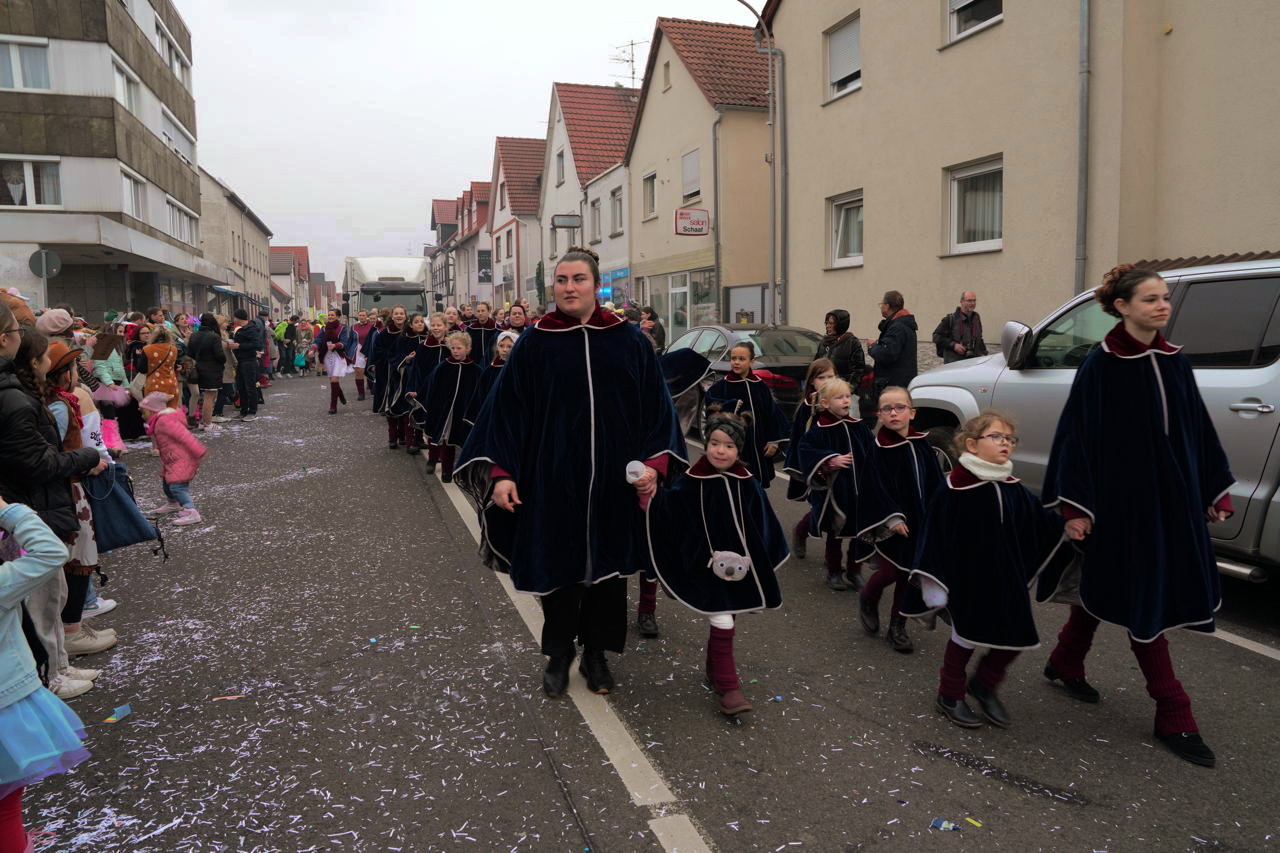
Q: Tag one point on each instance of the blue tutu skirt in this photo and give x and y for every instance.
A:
(39, 736)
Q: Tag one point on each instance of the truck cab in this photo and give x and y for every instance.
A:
(1226, 318)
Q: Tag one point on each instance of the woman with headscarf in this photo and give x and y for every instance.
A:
(842, 347)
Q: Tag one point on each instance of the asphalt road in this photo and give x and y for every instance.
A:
(323, 664)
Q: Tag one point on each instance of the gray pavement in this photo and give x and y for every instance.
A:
(323, 664)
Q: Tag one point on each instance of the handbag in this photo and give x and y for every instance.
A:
(138, 386)
(117, 521)
(299, 360)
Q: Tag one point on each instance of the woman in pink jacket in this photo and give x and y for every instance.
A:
(180, 455)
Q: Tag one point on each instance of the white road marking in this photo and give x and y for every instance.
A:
(645, 785)
(1246, 643)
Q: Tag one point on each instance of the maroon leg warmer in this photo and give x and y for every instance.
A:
(1074, 641)
(721, 669)
(648, 596)
(951, 682)
(1173, 705)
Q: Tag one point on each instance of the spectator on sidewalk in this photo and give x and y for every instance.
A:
(289, 347)
(247, 341)
(895, 351)
(959, 335)
(180, 456)
(842, 347)
(206, 350)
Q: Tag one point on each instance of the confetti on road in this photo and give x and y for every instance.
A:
(236, 696)
(119, 714)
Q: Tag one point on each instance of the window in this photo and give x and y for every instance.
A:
(502, 196)
(511, 237)
(1220, 323)
(24, 66)
(711, 345)
(126, 89)
(1071, 337)
(977, 207)
(559, 168)
(172, 55)
(666, 76)
(690, 176)
(177, 138)
(844, 60)
(968, 16)
(685, 341)
(846, 236)
(30, 183)
(183, 224)
(649, 194)
(554, 250)
(595, 221)
(615, 212)
(134, 196)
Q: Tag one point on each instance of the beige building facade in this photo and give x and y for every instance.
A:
(699, 143)
(232, 236)
(933, 147)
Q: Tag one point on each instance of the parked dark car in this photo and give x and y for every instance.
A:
(783, 354)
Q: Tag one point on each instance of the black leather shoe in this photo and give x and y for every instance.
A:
(431, 467)
(595, 670)
(989, 705)
(897, 637)
(391, 445)
(869, 615)
(958, 712)
(555, 680)
(835, 580)
(854, 579)
(446, 477)
(1077, 688)
(412, 450)
(1189, 746)
(647, 624)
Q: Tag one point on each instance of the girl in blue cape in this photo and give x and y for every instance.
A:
(449, 390)
(820, 370)
(716, 545)
(847, 501)
(1138, 470)
(484, 333)
(985, 539)
(489, 375)
(743, 391)
(400, 400)
(558, 510)
(380, 352)
(427, 353)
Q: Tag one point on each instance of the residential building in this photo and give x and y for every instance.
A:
(587, 132)
(98, 155)
(473, 257)
(513, 220)
(232, 236)
(934, 147)
(291, 281)
(444, 222)
(699, 143)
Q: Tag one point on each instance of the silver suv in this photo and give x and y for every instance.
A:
(1226, 317)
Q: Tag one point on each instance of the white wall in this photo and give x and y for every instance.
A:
(565, 198)
(613, 250)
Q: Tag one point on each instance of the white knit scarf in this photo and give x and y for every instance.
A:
(984, 470)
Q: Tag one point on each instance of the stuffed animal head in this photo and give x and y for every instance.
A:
(730, 566)
(21, 310)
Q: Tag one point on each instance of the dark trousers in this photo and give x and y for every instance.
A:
(77, 588)
(247, 385)
(225, 395)
(287, 351)
(594, 616)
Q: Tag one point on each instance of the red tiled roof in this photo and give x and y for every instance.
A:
(722, 59)
(598, 121)
(521, 160)
(301, 258)
(1203, 261)
(444, 211)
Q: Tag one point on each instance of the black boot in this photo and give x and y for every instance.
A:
(897, 637)
(958, 712)
(1077, 688)
(869, 614)
(555, 680)
(989, 704)
(1189, 746)
(647, 624)
(595, 670)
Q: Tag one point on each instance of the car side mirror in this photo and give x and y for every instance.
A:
(1015, 343)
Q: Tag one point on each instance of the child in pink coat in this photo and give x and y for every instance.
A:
(180, 455)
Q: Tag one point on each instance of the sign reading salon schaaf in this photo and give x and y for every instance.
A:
(692, 222)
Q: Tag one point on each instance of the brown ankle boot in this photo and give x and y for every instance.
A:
(733, 703)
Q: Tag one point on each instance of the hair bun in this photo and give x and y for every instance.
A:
(1115, 273)
(584, 251)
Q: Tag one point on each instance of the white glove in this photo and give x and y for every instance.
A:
(934, 594)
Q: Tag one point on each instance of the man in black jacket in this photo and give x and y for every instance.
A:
(247, 341)
(959, 335)
(895, 352)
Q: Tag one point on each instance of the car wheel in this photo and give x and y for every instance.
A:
(942, 440)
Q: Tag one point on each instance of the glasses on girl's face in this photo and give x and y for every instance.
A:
(1001, 438)
(16, 330)
(895, 409)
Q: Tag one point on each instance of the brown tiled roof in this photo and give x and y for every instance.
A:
(598, 121)
(722, 59)
(301, 257)
(1203, 261)
(444, 211)
(521, 160)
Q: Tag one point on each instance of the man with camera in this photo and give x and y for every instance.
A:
(959, 335)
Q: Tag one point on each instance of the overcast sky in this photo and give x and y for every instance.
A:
(338, 121)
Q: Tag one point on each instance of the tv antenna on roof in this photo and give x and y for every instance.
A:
(627, 58)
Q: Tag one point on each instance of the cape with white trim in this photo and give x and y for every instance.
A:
(911, 474)
(707, 510)
(591, 399)
(768, 424)
(449, 390)
(1137, 452)
(985, 543)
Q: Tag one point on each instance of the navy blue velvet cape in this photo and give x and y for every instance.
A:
(449, 390)
(768, 424)
(911, 474)
(379, 355)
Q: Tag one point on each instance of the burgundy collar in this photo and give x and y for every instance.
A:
(433, 341)
(703, 470)
(826, 419)
(497, 362)
(1120, 343)
(452, 360)
(558, 321)
(886, 437)
(487, 324)
(750, 377)
(962, 478)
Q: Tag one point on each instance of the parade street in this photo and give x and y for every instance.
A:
(324, 664)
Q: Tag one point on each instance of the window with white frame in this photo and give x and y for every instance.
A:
(649, 194)
(615, 211)
(134, 195)
(690, 176)
(846, 230)
(126, 88)
(968, 16)
(595, 221)
(511, 238)
(24, 64)
(177, 138)
(844, 57)
(183, 223)
(172, 55)
(502, 196)
(554, 249)
(977, 206)
(559, 168)
(666, 76)
(30, 183)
